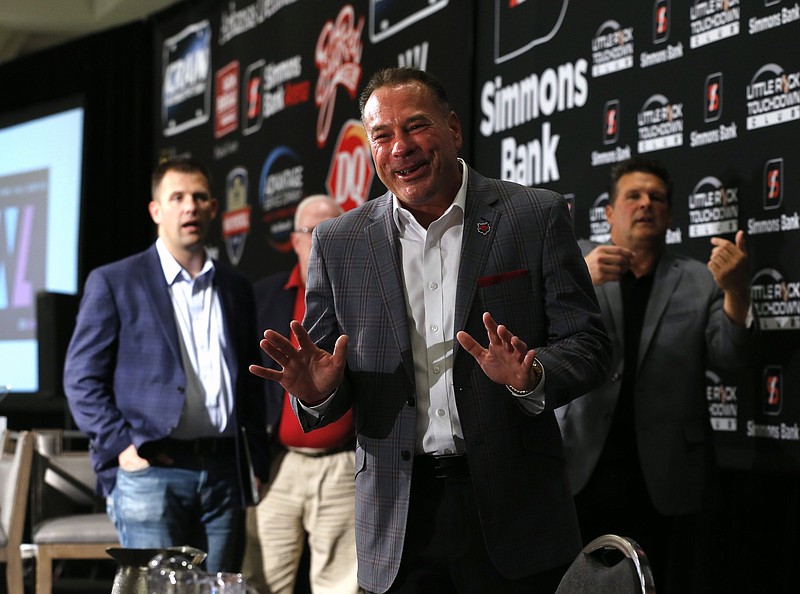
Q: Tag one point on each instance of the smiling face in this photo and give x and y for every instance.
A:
(640, 212)
(183, 209)
(414, 146)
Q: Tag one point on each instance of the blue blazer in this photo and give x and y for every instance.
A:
(520, 262)
(123, 374)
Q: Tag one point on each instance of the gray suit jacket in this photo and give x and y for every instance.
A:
(685, 330)
(519, 261)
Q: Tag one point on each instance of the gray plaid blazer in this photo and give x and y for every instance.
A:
(519, 261)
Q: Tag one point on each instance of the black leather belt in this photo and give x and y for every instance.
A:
(442, 466)
(202, 446)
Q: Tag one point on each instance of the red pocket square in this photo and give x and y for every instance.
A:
(485, 281)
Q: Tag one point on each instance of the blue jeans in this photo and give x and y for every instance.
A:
(160, 506)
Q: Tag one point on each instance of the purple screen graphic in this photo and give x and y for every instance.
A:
(23, 235)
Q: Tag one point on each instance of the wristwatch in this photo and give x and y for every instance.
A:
(538, 372)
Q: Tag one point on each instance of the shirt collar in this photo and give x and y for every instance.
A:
(174, 271)
(460, 200)
(295, 281)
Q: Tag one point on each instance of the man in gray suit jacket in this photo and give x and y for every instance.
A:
(411, 302)
(639, 447)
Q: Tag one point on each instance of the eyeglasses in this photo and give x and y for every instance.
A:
(305, 229)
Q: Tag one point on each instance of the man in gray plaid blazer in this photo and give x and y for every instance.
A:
(454, 314)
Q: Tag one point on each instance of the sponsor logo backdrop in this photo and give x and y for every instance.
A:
(266, 93)
(550, 93)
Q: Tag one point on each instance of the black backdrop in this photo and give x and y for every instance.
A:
(691, 82)
(709, 88)
(550, 93)
(267, 94)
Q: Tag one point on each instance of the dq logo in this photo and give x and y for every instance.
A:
(611, 122)
(773, 389)
(773, 183)
(660, 21)
(713, 97)
(350, 174)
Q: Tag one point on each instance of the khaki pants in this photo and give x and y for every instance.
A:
(313, 496)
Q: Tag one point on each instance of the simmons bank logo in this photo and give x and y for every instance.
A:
(350, 174)
(280, 188)
(521, 25)
(661, 21)
(661, 27)
(713, 20)
(723, 403)
(186, 79)
(712, 105)
(772, 399)
(712, 111)
(776, 300)
(610, 123)
(776, 19)
(773, 199)
(338, 58)
(236, 214)
(773, 97)
(660, 124)
(772, 390)
(713, 208)
(283, 87)
(252, 115)
(612, 48)
(505, 106)
(773, 183)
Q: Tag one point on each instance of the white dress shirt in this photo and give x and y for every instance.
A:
(433, 256)
(430, 272)
(198, 315)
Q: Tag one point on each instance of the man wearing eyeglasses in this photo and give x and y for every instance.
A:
(311, 489)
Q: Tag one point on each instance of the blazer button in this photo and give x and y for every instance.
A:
(405, 455)
(181, 389)
(615, 377)
(411, 401)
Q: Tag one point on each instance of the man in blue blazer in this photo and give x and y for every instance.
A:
(156, 376)
(411, 301)
(640, 447)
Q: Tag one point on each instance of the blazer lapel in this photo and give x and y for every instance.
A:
(480, 222)
(382, 244)
(153, 278)
(667, 277)
(609, 295)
